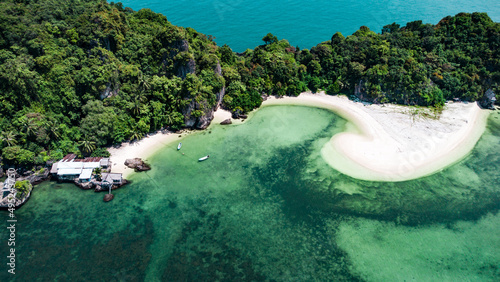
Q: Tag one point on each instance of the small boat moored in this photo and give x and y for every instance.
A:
(179, 146)
(204, 158)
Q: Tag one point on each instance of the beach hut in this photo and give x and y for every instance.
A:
(105, 163)
(114, 178)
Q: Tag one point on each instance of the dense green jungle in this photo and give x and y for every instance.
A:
(77, 76)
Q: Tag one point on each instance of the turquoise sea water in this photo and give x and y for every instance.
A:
(242, 24)
(266, 207)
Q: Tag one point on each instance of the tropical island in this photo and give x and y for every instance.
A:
(366, 157)
(81, 79)
(86, 76)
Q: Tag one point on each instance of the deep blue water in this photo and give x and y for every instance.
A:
(242, 24)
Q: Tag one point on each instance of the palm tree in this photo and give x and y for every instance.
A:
(98, 173)
(143, 82)
(340, 80)
(87, 146)
(138, 103)
(136, 109)
(180, 103)
(118, 136)
(9, 138)
(136, 135)
(169, 118)
(27, 126)
(53, 129)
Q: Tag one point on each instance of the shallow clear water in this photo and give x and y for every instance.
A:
(265, 206)
(242, 24)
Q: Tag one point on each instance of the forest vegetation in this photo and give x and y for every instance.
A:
(76, 76)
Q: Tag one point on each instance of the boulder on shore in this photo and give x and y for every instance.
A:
(226, 121)
(137, 164)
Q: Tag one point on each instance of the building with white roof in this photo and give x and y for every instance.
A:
(69, 169)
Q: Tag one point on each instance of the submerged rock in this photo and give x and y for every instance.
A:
(137, 164)
(108, 197)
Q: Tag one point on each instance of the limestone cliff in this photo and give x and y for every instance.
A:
(199, 113)
(184, 62)
(222, 92)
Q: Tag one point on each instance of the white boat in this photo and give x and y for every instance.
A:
(204, 158)
(179, 146)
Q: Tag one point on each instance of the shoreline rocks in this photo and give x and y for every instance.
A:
(239, 114)
(226, 121)
(38, 178)
(137, 164)
(85, 185)
(18, 202)
(97, 187)
(34, 179)
(488, 101)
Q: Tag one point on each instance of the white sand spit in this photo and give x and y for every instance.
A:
(394, 143)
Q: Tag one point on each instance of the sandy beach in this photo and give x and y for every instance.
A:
(152, 143)
(382, 142)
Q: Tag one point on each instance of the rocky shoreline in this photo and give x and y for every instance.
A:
(43, 174)
(98, 187)
(34, 178)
